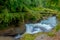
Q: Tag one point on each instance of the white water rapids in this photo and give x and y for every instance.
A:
(43, 26)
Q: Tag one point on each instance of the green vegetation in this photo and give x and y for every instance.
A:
(29, 36)
(16, 12)
(57, 28)
(32, 16)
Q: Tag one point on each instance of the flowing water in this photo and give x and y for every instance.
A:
(43, 26)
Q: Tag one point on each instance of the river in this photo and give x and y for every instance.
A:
(45, 25)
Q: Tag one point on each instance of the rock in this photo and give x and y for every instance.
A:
(9, 31)
(43, 37)
(12, 31)
(57, 36)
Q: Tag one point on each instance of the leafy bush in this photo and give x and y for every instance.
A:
(32, 17)
(7, 19)
(14, 11)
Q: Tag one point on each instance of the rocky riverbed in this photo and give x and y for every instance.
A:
(40, 37)
(45, 37)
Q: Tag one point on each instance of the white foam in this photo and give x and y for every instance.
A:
(45, 25)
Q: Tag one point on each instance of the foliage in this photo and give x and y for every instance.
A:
(32, 16)
(18, 5)
(25, 10)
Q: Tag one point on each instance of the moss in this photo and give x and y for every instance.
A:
(57, 28)
(30, 37)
